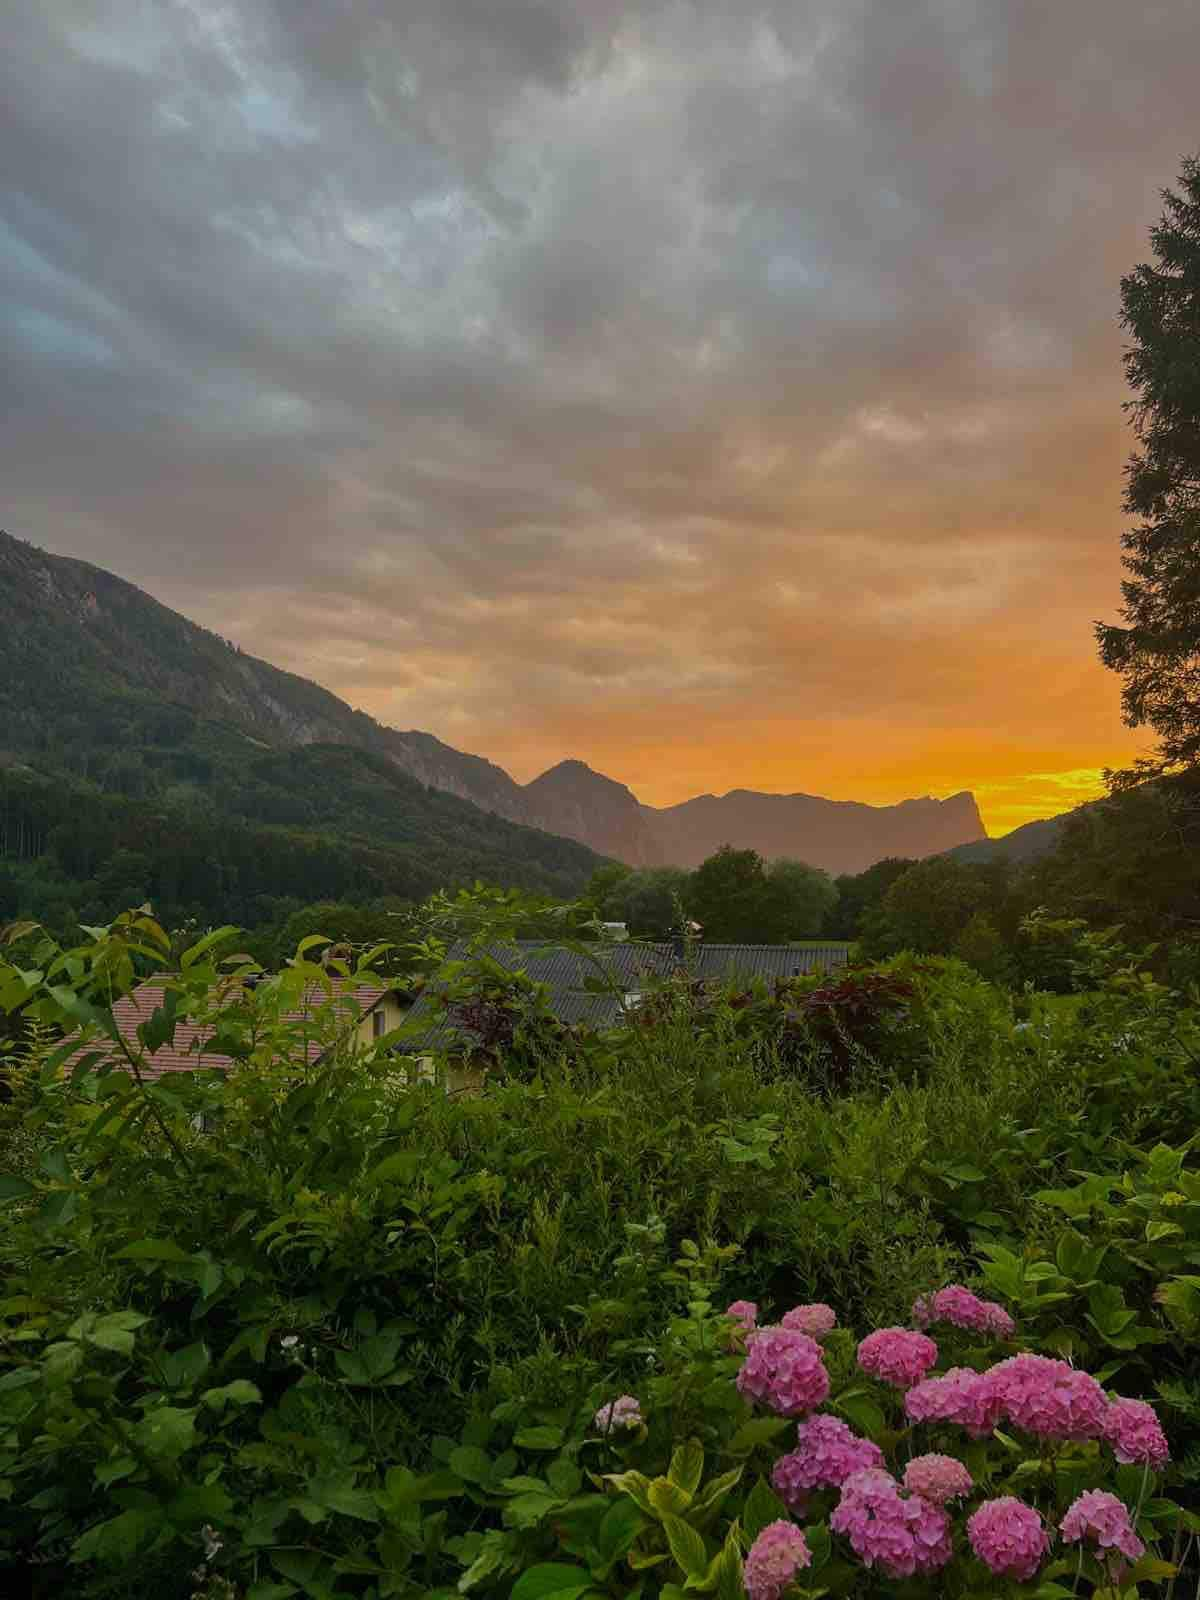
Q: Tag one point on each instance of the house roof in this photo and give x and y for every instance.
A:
(565, 973)
(187, 1053)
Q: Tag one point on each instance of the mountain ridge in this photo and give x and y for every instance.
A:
(108, 681)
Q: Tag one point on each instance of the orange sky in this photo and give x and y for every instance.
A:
(724, 395)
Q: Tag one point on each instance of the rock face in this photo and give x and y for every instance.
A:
(82, 650)
(573, 800)
(839, 835)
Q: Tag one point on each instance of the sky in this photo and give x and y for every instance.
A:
(726, 393)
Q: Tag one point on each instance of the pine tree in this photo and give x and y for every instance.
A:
(1158, 651)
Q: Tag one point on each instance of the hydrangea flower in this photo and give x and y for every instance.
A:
(774, 1559)
(902, 1536)
(960, 1396)
(623, 1412)
(897, 1355)
(816, 1320)
(1133, 1430)
(827, 1453)
(784, 1370)
(999, 1324)
(937, 1478)
(744, 1313)
(1049, 1398)
(1103, 1518)
(744, 1316)
(1008, 1537)
(963, 1309)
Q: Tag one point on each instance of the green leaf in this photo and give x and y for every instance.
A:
(115, 1543)
(862, 1411)
(153, 1250)
(113, 1331)
(338, 1493)
(373, 1363)
(759, 1430)
(762, 1506)
(527, 1510)
(14, 1188)
(667, 1499)
(565, 1477)
(687, 1466)
(471, 1464)
(551, 1578)
(619, 1527)
(634, 1484)
(539, 1438)
(241, 1392)
(687, 1547)
(166, 1432)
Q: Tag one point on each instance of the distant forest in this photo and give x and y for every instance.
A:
(288, 828)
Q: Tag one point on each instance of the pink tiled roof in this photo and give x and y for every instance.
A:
(187, 1053)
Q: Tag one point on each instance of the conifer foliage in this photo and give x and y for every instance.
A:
(1158, 651)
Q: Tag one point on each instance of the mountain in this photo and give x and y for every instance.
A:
(102, 682)
(1023, 844)
(124, 703)
(572, 799)
(839, 835)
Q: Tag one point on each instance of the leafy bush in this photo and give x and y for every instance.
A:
(359, 1331)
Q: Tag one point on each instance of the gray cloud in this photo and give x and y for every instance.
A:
(598, 377)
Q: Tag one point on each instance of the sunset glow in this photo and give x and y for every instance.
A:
(727, 396)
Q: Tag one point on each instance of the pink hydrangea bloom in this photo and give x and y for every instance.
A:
(963, 1309)
(937, 1478)
(815, 1320)
(827, 1453)
(775, 1558)
(960, 1396)
(901, 1535)
(1133, 1430)
(1008, 1537)
(1103, 1518)
(999, 1324)
(784, 1370)
(897, 1355)
(623, 1412)
(1049, 1398)
(745, 1313)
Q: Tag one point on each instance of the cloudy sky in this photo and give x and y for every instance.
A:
(724, 392)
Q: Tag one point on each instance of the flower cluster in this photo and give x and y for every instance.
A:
(961, 1396)
(744, 1313)
(1049, 1398)
(902, 1535)
(903, 1528)
(937, 1478)
(815, 1320)
(897, 1356)
(1008, 1537)
(1132, 1429)
(963, 1309)
(775, 1557)
(623, 1412)
(1103, 1518)
(827, 1453)
(784, 1370)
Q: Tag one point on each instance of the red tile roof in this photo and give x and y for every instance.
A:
(187, 1053)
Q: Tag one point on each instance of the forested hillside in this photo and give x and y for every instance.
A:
(282, 829)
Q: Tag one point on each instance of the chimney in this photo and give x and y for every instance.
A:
(692, 933)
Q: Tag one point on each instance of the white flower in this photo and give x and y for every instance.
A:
(289, 1341)
(212, 1541)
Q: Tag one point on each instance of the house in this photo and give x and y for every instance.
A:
(598, 989)
(369, 1011)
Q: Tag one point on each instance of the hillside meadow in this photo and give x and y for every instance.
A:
(325, 1330)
